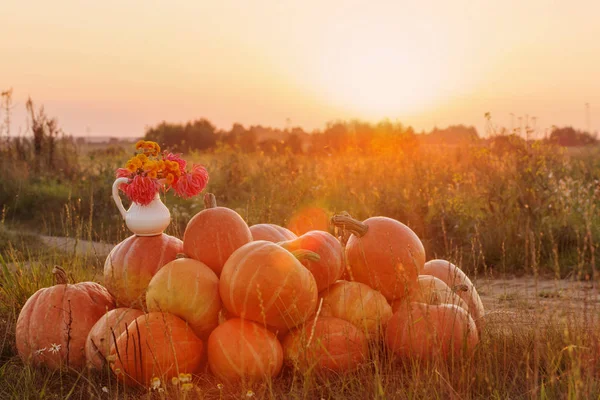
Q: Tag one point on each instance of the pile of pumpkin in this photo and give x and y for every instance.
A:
(245, 300)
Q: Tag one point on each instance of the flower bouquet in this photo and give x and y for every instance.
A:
(149, 171)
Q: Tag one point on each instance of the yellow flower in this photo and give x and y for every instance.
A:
(142, 157)
(155, 383)
(139, 144)
(186, 387)
(170, 178)
(153, 174)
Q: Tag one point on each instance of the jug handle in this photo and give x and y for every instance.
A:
(116, 197)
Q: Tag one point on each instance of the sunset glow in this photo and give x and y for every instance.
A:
(113, 68)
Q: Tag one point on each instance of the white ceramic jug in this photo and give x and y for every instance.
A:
(149, 220)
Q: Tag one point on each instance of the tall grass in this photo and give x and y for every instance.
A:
(527, 208)
(487, 198)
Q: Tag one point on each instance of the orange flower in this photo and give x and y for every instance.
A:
(133, 164)
(170, 179)
(150, 165)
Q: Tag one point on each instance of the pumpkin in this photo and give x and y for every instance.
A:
(54, 323)
(359, 304)
(427, 332)
(460, 283)
(307, 219)
(431, 290)
(326, 344)
(244, 350)
(132, 263)
(213, 234)
(156, 345)
(188, 289)
(101, 336)
(383, 253)
(329, 267)
(271, 233)
(263, 282)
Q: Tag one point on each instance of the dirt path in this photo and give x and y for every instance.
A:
(530, 301)
(79, 247)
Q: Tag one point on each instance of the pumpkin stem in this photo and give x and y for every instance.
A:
(303, 254)
(342, 233)
(60, 276)
(349, 224)
(210, 201)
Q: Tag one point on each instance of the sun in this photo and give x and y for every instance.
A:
(381, 77)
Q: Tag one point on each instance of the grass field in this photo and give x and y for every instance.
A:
(529, 211)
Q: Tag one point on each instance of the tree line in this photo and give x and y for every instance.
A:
(338, 136)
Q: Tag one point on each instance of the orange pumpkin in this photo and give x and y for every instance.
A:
(383, 253)
(460, 283)
(54, 323)
(271, 233)
(132, 263)
(329, 267)
(213, 234)
(431, 290)
(188, 289)
(263, 282)
(359, 304)
(244, 350)
(307, 219)
(419, 330)
(156, 345)
(101, 336)
(326, 344)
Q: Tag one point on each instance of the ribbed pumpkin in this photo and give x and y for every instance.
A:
(419, 330)
(189, 290)
(244, 350)
(263, 282)
(383, 253)
(101, 336)
(213, 234)
(55, 321)
(132, 263)
(271, 233)
(359, 304)
(326, 344)
(307, 219)
(431, 290)
(460, 283)
(329, 267)
(156, 345)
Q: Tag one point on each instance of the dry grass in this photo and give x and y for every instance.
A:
(530, 348)
(529, 211)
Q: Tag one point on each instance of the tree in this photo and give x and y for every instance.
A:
(568, 136)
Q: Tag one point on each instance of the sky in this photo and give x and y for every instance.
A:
(114, 68)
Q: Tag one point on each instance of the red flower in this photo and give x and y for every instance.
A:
(123, 173)
(191, 183)
(142, 189)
